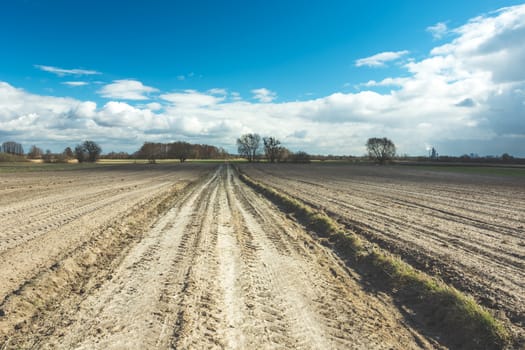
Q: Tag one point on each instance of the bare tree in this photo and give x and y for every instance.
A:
(80, 154)
(47, 157)
(248, 146)
(87, 151)
(68, 153)
(272, 149)
(300, 157)
(285, 155)
(93, 150)
(182, 150)
(380, 149)
(35, 152)
(150, 151)
(506, 157)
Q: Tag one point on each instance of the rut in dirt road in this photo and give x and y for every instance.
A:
(225, 269)
(467, 230)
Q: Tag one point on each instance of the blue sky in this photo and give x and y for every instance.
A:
(321, 76)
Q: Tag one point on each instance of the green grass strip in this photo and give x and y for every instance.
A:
(458, 320)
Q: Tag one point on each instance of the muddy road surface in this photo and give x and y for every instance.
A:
(223, 268)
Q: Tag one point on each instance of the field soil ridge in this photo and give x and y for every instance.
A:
(467, 230)
(83, 233)
(224, 268)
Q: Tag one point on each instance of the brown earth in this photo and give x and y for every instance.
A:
(45, 215)
(467, 229)
(52, 220)
(220, 268)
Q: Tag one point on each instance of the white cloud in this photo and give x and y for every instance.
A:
(154, 106)
(491, 44)
(386, 82)
(235, 96)
(26, 115)
(191, 98)
(121, 114)
(467, 102)
(217, 91)
(465, 96)
(126, 89)
(264, 95)
(75, 83)
(62, 72)
(379, 60)
(438, 31)
(85, 110)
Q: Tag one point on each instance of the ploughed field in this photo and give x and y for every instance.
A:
(467, 229)
(181, 256)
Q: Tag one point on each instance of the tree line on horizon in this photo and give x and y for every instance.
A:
(250, 146)
(90, 151)
(180, 150)
(87, 151)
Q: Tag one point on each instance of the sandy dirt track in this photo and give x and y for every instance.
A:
(223, 268)
(468, 229)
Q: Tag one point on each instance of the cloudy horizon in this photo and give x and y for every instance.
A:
(465, 93)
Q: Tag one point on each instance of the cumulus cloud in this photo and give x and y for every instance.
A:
(28, 115)
(217, 91)
(491, 44)
(192, 98)
(380, 59)
(467, 95)
(300, 134)
(154, 106)
(438, 31)
(236, 96)
(67, 121)
(75, 83)
(123, 115)
(386, 82)
(264, 95)
(62, 72)
(84, 110)
(126, 89)
(468, 102)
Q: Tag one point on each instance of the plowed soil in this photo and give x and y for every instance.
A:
(467, 229)
(220, 267)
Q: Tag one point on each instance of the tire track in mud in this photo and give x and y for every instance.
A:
(38, 232)
(67, 258)
(136, 309)
(224, 268)
(24, 220)
(326, 309)
(476, 246)
(49, 216)
(39, 249)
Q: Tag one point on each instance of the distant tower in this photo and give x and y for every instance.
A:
(433, 154)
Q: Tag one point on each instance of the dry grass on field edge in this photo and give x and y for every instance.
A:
(454, 317)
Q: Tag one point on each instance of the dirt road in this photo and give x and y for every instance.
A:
(223, 268)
